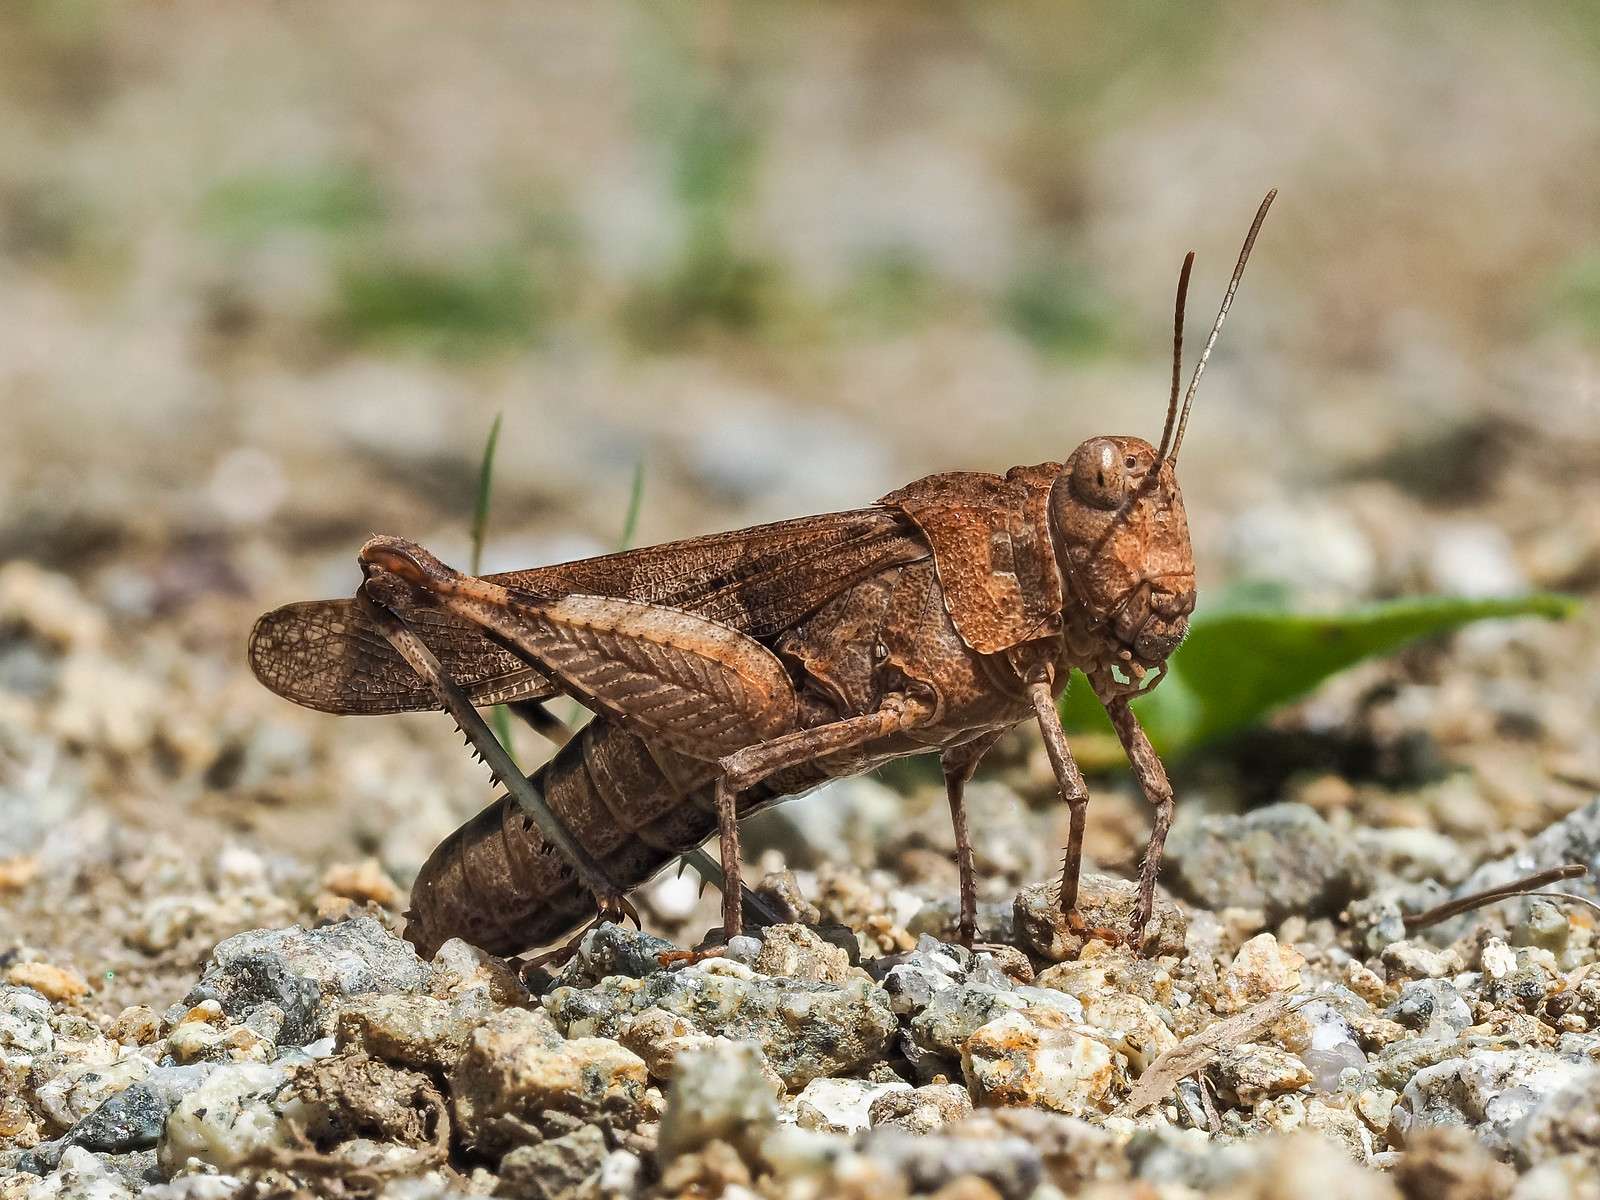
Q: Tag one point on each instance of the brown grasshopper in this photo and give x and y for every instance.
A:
(730, 671)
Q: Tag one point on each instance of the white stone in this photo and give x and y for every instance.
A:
(840, 1105)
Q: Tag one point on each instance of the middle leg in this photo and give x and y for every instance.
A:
(1073, 790)
(745, 768)
(959, 763)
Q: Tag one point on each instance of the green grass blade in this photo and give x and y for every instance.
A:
(500, 717)
(630, 521)
(480, 512)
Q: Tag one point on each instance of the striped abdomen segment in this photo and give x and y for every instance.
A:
(495, 883)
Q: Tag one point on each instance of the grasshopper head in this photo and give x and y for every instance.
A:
(1120, 533)
(1122, 544)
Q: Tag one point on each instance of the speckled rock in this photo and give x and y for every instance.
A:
(1136, 1025)
(1103, 903)
(953, 1015)
(1431, 1008)
(1263, 966)
(131, 1119)
(1567, 1121)
(231, 1116)
(84, 1086)
(517, 1066)
(1103, 967)
(1252, 1072)
(920, 1110)
(464, 974)
(295, 970)
(24, 1026)
(719, 1092)
(1283, 859)
(795, 952)
(553, 1170)
(1489, 1091)
(805, 1029)
(1039, 1057)
(613, 949)
(412, 1031)
(82, 1176)
(840, 1105)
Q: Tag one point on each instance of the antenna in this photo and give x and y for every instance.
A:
(1222, 314)
(1177, 352)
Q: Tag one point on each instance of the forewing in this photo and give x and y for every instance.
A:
(326, 655)
(665, 674)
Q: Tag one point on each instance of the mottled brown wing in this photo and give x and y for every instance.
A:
(326, 655)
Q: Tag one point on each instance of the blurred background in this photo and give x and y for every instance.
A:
(269, 272)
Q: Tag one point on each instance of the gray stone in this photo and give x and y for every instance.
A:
(1432, 1008)
(552, 1170)
(1567, 1121)
(297, 969)
(1283, 859)
(132, 1119)
(613, 949)
(1573, 839)
(920, 1110)
(1010, 1165)
(1490, 1091)
(719, 1092)
(24, 1026)
(1103, 903)
(806, 1029)
(517, 1071)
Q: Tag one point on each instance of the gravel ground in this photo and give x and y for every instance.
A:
(271, 271)
(206, 991)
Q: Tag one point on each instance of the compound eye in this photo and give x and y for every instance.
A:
(1099, 477)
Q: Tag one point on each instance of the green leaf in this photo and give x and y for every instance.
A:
(1237, 665)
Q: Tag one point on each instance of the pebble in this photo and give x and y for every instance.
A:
(795, 952)
(920, 1110)
(1431, 1008)
(1490, 1092)
(227, 1119)
(841, 1105)
(1103, 903)
(365, 882)
(1253, 1072)
(1039, 1057)
(423, 1032)
(555, 1169)
(25, 1030)
(719, 1092)
(1418, 960)
(517, 1066)
(296, 969)
(1283, 859)
(56, 984)
(1262, 967)
(1565, 1122)
(805, 1029)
